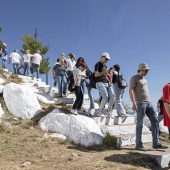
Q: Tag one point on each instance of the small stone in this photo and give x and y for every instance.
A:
(31, 128)
(25, 164)
(75, 154)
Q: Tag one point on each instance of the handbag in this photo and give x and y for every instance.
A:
(122, 84)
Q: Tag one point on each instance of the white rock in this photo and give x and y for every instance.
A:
(163, 128)
(25, 164)
(21, 101)
(45, 98)
(1, 111)
(1, 81)
(58, 136)
(1, 88)
(78, 129)
(96, 106)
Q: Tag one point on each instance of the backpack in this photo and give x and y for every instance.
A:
(70, 86)
(122, 84)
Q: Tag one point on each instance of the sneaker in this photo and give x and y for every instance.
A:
(74, 111)
(100, 114)
(91, 112)
(30, 75)
(123, 118)
(160, 147)
(140, 148)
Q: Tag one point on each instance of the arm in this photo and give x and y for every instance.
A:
(167, 108)
(158, 106)
(53, 72)
(76, 80)
(132, 98)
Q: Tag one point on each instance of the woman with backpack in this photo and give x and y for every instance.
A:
(115, 76)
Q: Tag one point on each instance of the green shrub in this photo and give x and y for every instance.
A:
(110, 141)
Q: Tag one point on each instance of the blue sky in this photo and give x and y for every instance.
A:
(131, 31)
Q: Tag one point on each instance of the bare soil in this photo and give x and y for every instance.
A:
(21, 141)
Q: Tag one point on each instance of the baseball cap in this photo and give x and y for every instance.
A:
(106, 55)
(143, 66)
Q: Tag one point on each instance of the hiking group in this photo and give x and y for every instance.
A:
(75, 76)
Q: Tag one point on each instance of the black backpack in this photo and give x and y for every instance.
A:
(122, 84)
(92, 80)
(70, 87)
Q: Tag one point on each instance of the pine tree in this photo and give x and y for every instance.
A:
(32, 44)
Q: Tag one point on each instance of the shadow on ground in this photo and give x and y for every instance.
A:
(135, 159)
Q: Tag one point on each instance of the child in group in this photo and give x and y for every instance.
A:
(78, 89)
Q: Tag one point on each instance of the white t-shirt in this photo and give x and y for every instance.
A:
(77, 73)
(71, 64)
(27, 57)
(15, 57)
(37, 58)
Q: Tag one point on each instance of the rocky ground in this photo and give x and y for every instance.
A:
(24, 145)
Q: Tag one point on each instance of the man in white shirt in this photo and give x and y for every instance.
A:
(36, 63)
(16, 59)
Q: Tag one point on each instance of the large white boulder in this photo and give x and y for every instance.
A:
(1, 111)
(78, 129)
(44, 97)
(1, 88)
(21, 101)
(1, 81)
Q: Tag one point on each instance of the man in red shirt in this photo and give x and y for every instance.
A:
(166, 109)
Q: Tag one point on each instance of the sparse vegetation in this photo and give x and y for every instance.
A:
(110, 141)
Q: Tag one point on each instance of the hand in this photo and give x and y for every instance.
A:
(110, 84)
(73, 86)
(83, 76)
(106, 71)
(134, 107)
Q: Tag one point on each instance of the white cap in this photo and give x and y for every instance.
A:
(4, 44)
(106, 55)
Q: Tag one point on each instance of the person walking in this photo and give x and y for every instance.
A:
(35, 66)
(139, 95)
(104, 85)
(115, 76)
(78, 89)
(26, 59)
(4, 54)
(160, 109)
(166, 106)
(16, 60)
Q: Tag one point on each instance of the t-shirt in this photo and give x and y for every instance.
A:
(77, 73)
(140, 89)
(37, 58)
(99, 67)
(15, 57)
(160, 101)
(166, 98)
(71, 64)
(27, 57)
(115, 76)
(59, 70)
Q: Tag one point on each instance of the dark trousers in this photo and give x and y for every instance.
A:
(79, 98)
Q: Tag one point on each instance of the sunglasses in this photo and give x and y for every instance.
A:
(145, 71)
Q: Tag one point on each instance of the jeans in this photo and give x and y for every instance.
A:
(69, 73)
(79, 98)
(35, 67)
(3, 63)
(89, 93)
(105, 91)
(26, 68)
(15, 66)
(62, 84)
(142, 109)
(119, 95)
(83, 86)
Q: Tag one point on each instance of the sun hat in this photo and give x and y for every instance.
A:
(143, 66)
(106, 55)
(4, 44)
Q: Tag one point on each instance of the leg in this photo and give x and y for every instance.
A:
(83, 85)
(64, 84)
(79, 98)
(154, 124)
(59, 85)
(119, 93)
(25, 67)
(103, 92)
(141, 109)
(89, 93)
(111, 98)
